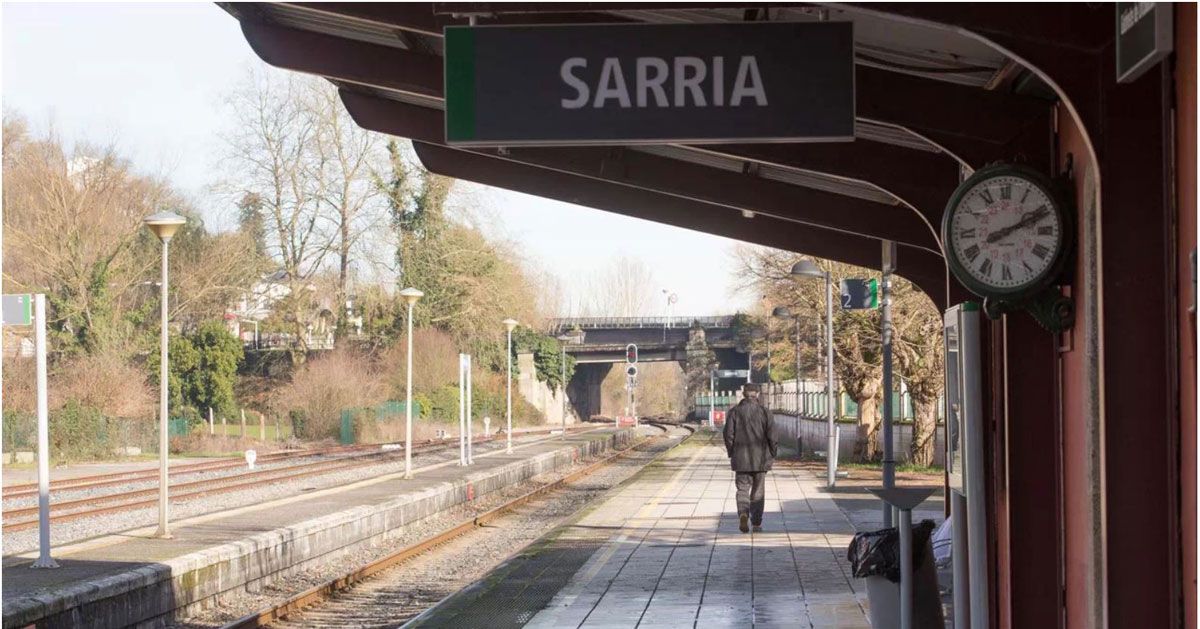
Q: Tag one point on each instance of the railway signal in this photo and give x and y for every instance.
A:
(631, 354)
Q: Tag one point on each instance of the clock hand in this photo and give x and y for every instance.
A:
(1028, 218)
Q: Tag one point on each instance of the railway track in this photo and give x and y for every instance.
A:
(92, 506)
(422, 589)
(96, 481)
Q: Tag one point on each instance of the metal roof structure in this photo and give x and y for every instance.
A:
(930, 104)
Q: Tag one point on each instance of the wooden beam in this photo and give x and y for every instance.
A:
(924, 269)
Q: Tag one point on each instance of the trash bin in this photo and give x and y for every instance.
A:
(875, 556)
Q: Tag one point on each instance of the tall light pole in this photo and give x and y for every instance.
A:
(564, 339)
(783, 313)
(806, 268)
(411, 297)
(509, 324)
(164, 225)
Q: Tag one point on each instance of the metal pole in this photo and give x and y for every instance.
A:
(563, 365)
(712, 400)
(749, 362)
(508, 431)
(797, 366)
(769, 355)
(470, 414)
(889, 463)
(832, 456)
(462, 411)
(44, 559)
(906, 569)
(212, 425)
(163, 528)
(408, 398)
(958, 541)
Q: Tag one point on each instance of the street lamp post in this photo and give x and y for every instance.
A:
(164, 225)
(564, 339)
(806, 268)
(509, 324)
(411, 296)
(783, 313)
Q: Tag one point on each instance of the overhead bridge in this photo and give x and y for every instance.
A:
(658, 339)
(698, 344)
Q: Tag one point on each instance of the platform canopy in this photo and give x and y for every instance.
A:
(931, 103)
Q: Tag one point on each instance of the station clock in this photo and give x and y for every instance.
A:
(1007, 233)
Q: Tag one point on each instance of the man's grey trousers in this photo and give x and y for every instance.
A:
(750, 492)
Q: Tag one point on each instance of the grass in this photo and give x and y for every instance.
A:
(252, 431)
(900, 467)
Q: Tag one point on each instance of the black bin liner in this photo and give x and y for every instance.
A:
(877, 553)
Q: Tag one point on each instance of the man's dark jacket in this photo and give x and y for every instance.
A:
(749, 438)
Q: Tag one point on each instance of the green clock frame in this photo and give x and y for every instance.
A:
(1054, 311)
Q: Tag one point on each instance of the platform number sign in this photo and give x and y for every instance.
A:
(631, 354)
(860, 294)
(18, 309)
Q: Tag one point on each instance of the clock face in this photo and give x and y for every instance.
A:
(1006, 233)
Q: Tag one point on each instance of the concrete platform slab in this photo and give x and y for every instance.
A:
(664, 550)
(135, 579)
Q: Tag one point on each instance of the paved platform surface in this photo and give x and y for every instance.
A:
(665, 551)
(93, 560)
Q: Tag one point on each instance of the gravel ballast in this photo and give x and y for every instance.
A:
(408, 589)
(64, 532)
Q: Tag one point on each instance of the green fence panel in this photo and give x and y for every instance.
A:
(178, 427)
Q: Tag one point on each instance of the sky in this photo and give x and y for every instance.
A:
(150, 78)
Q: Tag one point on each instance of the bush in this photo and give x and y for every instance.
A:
(435, 362)
(443, 404)
(105, 382)
(79, 432)
(203, 368)
(324, 386)
(20, 430)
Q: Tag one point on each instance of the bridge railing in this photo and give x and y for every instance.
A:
(585, 323)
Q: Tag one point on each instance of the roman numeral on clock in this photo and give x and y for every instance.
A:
(1005, 273)
(1040, 251)
(971, 252)
(987, 196)
(1006, 192)
(986, 267)
(1045, 230)
(967, 233)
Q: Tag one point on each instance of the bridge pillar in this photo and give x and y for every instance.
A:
(700, 361)
(585, 391)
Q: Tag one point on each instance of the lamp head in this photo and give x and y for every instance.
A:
(807, 268)
(411, 296)
(782, 312)
(509, 324)
(164, 224)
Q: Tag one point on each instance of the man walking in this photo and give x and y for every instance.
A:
(750, 442)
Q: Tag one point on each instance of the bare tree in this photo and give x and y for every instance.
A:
(72, 222)
(272, 154)
(920, 362)
(346, 158)
(624, 289)
(858, 362)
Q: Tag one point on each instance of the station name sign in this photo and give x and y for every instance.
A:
(649, 83)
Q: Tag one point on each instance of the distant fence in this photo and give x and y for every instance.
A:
(357, 432)
(814, 435)
(284, 341)
(585, 323)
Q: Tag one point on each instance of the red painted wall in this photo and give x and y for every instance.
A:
(1185, 191)
(1078, 424)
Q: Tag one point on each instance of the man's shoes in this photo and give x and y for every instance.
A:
(744, 523)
